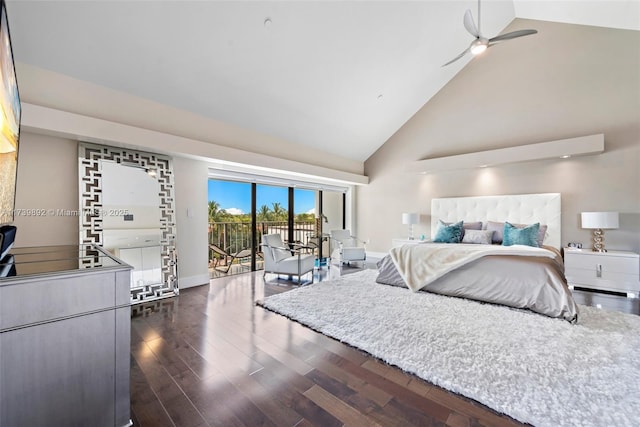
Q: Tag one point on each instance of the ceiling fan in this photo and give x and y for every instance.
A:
(480, 44)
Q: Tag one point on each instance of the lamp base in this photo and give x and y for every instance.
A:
(598, 240)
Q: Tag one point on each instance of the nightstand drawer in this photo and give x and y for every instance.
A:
(608, 280)
(606, 285)
(618, 264)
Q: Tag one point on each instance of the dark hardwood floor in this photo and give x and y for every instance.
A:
(211, 357)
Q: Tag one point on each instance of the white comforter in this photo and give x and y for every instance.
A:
(421, 264)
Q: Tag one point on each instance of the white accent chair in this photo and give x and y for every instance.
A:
(347, 247)
(279, 259)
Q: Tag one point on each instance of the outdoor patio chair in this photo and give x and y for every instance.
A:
(228, 257)
(279, 259)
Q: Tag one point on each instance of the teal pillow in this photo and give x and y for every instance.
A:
(521, 236)
(448, 233)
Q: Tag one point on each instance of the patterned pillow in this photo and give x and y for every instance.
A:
(480, 237)
(448, 233)
(521, 236)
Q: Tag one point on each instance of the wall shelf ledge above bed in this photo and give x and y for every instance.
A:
(580, 146)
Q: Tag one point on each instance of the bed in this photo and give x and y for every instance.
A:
(517, 276)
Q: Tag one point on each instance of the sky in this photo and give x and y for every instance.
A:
(235, 197)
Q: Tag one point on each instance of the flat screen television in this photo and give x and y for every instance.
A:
(9, 122)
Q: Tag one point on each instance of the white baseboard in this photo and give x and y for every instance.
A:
(191, 281)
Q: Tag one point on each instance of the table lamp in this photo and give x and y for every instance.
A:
(598, 221)
(410, 219)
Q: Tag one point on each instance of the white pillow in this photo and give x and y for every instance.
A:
(480, 237)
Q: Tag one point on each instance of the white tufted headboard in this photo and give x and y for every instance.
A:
(517, 209)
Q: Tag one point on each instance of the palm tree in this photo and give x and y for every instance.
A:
(214, 210)
(279, 213)
(264, 213)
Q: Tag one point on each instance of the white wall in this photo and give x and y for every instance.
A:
(190, 180)
(579, 81)
(47, 183)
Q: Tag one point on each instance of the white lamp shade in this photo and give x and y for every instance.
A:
(600, 220)
(410, 218)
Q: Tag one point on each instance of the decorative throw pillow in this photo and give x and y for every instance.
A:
(521, 236)
(468, 226)
(481, 237)
(498, 228)
(472, 225)
(448, 233)
(542, 233)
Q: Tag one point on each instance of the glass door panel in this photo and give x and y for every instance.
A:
(333, 210)
(307, 223)
(272, 215)
(304, 220)
(229, 227)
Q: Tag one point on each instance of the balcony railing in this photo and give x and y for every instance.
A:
(232, 237)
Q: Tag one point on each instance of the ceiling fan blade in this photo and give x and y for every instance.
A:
(470, 25)
(457, 57)
(512, 35)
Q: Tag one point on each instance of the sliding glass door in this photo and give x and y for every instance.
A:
(240, 213)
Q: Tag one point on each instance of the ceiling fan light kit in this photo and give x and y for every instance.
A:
(480, 44)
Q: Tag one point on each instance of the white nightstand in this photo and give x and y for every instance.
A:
(616, 271)
(395, 243)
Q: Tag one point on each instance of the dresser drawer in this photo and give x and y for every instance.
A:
(38, 300)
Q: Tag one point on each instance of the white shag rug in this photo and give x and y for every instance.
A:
(538, 370)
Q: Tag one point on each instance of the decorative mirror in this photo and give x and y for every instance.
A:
(127, 207)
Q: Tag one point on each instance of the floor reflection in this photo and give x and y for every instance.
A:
(158, 306)
(607, 301)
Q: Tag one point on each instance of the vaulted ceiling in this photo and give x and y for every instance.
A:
(340, 76)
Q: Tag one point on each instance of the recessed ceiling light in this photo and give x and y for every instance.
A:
(566, 156)
(267, 22)
(380, 96)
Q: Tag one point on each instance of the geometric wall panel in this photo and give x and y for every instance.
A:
(91, 210)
